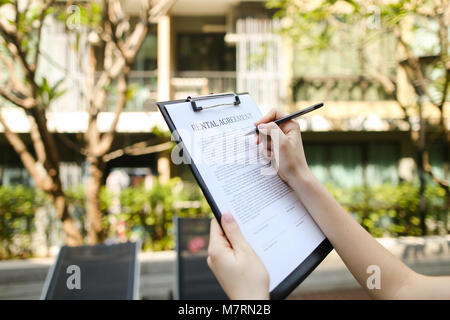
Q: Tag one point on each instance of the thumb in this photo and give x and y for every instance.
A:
(272, 130)
(233, 232)
(277, 136)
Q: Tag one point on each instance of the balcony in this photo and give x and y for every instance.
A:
(186, 83)
(202, 82)
(191, 83)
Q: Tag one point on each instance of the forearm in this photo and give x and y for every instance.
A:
(357, 248)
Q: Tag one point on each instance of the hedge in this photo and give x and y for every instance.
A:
(387, 210)
(17, 208)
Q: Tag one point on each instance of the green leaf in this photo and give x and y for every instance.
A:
(3, 2)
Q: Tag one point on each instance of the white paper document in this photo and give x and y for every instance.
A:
(242, 182)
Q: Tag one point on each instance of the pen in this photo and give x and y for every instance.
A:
(291, 116)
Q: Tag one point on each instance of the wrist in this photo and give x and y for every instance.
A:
(300, 177)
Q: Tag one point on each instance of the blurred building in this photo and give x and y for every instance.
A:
(203, 46)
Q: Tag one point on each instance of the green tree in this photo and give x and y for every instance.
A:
(22, 86)
(116, 41)
(114, 44)
(421, 75)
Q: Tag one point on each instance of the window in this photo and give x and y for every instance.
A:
(146, 58)
(16, 176)
(382, 163)
(436, 157)
(349, 165)
(346, 165)
(334, 72)
(205, 52)
(316, 156)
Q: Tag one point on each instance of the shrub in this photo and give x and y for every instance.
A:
(149, 213)
(144, 214)
(393, 210)
(386, 210)
(17, 209)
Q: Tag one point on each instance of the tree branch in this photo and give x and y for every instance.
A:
(427, 167)
(13, 80)
(16, 8)
(137, 149)
(42, 153)
(385, 81)
(119, 55)
(25, 103)
(128, 51)
(72, 145)
(413, 66)
(113, 25)
(43, 182)
(444, 43)
(14, 40)
(108, 137)
(39, 31)
(160, 9)
(37, 142)
(51, 151)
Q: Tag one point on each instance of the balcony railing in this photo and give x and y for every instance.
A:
(186, 83)
(338, 88)
(144, 85)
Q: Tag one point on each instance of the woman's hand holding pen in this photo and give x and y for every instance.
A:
(242, 274)
(235, 264)
(283, 146)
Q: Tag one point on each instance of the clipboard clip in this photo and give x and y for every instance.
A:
(195, 107)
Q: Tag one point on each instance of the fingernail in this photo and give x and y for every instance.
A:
(261, 126)
(228, 217)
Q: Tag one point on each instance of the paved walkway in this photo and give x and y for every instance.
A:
(24, 279)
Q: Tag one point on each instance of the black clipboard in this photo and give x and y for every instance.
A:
(302, 271)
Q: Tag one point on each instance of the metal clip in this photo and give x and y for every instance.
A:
(193, 100)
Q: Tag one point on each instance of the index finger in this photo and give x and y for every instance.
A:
(273, 115)
(217, 239)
